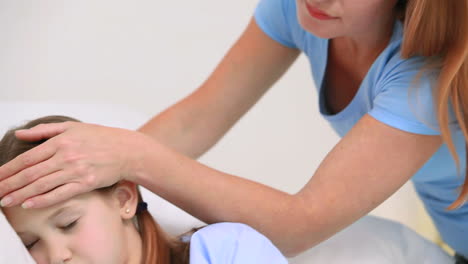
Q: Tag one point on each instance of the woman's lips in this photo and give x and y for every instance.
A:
(317, 13)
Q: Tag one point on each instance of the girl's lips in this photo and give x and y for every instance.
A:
(317, 13)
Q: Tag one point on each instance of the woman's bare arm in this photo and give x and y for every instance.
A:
(367, 166)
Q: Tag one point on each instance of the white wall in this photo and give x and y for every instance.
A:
(148, 54)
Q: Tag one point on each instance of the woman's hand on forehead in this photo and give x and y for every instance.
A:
(76, 159)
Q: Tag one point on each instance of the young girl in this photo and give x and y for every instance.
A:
(392, 78)
(112, 225)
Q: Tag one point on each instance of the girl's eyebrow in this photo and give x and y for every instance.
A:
(59, 211)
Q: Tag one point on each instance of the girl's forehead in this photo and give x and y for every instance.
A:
(18, 217)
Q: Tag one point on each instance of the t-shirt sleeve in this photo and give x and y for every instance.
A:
(272, 16)
(232, 243)
(405, 98)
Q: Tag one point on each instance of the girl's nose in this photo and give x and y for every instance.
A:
(59, 253)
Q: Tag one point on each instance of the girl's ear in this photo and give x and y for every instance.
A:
(126, 194)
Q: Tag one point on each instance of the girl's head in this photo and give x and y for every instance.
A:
(102, 226)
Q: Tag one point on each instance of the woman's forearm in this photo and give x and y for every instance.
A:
(182, 128)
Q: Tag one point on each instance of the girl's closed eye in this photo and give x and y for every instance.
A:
(66, 227)
(29, 246)
(69, 226)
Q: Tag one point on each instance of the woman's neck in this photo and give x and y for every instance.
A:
(367, 44)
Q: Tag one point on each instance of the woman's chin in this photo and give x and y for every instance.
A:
(317, 29)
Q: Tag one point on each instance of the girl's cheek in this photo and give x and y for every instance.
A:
(91, 240)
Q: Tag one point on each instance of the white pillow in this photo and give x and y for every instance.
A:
(11, 247)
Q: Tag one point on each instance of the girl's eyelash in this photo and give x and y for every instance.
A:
(70, 226)
(29, 246)
(66, 228)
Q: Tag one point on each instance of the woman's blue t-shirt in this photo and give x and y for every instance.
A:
(390, 93)
(232, 243)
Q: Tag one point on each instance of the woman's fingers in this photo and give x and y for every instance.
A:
(57, 195)
(39, 187)
(27, 176)
(82, 158)
(42, 131)
(28, 159)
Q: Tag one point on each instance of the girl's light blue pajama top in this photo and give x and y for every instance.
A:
(232, 243)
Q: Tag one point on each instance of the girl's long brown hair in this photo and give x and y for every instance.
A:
(158, 247)
(438, 29)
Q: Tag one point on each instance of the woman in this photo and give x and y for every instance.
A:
(112, 225)
(391, 77)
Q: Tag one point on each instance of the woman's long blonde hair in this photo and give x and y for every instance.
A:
(158, 247)
(439, 29)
